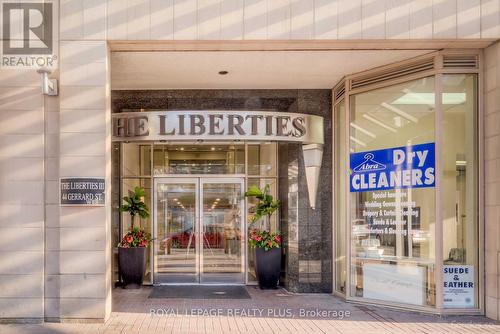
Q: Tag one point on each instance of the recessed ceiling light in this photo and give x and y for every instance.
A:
(223, 72)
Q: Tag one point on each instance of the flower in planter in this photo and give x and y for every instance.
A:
(264, 239)
(135, 206)
(136, 237)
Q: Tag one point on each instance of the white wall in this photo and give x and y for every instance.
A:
(21, 195)
(278, 19)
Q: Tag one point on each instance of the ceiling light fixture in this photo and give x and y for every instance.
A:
(223, 72)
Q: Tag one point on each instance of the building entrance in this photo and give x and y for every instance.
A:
(199, 230)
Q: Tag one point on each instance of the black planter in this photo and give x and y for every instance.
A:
(132, 263)
(268, 267)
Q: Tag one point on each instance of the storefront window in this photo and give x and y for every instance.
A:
(459, 195)
(392, 193)
(340, 186)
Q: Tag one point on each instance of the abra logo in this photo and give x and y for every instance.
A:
(28, 34)
(369, 165)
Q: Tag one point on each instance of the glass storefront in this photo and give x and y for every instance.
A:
(407, 228)
(459, 183)
(219, 257)
(393, 230)
(406, 189)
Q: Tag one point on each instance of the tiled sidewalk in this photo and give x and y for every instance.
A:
(267, 312)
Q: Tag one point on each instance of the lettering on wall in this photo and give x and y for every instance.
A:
(218, 125)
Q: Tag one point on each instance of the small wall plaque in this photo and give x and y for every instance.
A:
(82, 191)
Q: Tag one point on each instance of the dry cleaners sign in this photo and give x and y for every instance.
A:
(410, 166)
(218, 125)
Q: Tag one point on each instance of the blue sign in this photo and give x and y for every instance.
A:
(391, 168)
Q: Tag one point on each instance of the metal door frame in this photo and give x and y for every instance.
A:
(199, 181)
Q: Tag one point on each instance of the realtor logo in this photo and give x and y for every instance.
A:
(27, 28)
(28, 34)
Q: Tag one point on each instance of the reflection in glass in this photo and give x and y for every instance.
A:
(262, 159)
(199, 159)
(222, 234)
(175, 233)
(136, 159)
(393, 231)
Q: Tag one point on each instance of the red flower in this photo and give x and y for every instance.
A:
(258, 238)
(277, 239)
(135, 238)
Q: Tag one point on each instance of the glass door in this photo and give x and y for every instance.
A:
(199, 230)
(222, 247)
(174, 231)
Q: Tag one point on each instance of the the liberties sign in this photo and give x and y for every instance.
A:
(217, 125)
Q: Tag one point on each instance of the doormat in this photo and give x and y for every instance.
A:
(200, 292)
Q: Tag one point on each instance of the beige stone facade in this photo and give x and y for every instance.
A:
(55, 262)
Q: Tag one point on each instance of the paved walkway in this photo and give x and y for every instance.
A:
(266, 312)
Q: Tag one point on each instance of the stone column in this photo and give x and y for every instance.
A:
(492, 179)
(78, 258)
(78, 261)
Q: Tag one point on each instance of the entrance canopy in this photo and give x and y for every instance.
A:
(320, 69)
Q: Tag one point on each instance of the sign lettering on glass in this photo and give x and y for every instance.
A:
(218, 125)
(393, 168)
(83, 191)
(458, 286)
